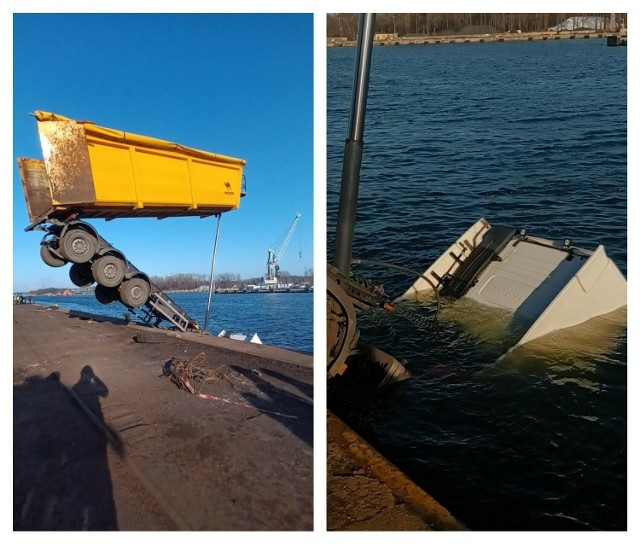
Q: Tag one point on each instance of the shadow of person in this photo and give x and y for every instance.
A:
(61, 477)
(290, 410)
(90, 388)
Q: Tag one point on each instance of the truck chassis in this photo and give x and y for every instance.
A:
(117, 279)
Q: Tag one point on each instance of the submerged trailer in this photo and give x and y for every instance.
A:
(539, 285)
(89, 171)
(543, 285)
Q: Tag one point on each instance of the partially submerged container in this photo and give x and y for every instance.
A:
(255, 339)
(544, 285)
(107, 173)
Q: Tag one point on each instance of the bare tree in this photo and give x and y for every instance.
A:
(345, 24)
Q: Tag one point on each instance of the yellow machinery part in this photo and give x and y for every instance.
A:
(111, 173)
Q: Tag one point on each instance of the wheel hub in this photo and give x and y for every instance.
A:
(110, 271)
(79, 246)
(136, 292)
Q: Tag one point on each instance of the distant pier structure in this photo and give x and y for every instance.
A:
(620, 32)
(617, 39)
(611, 28)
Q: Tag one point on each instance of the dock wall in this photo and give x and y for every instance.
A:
(481, 38)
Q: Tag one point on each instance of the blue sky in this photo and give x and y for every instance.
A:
(235, 84)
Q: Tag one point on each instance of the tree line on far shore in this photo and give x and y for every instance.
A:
(194, 282)
(345, 25)
(224, 280)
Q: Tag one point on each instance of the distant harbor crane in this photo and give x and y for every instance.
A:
(275, 254)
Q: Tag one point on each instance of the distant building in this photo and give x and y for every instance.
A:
(252, 288)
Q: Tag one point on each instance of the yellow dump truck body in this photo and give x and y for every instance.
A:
(103, 172)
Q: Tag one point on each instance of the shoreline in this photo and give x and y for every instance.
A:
(485, 38)
(169, 291)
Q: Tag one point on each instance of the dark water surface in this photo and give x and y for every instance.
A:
(523, 134)
(280, 319)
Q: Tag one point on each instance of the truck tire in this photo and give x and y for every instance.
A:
(78, 246)
(49, 258)
(134, 292)
(80, 275)
(108, 270)
(106, 295)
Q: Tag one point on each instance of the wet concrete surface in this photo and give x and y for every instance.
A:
(104, 441)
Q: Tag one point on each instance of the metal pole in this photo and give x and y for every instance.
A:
(353, 147)
(213, 269)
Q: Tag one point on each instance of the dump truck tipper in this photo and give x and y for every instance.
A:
(107, 173)
(89, 171)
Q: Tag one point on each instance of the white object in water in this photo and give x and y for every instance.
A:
(547, 285)
(240, 336)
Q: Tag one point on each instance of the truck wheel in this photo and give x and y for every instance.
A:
(108, 270)
(106, 295)
(49, 258)
(80, 275)
(134, 292)
(78, 246)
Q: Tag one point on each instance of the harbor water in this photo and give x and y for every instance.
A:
(279, 319)
(530, 135)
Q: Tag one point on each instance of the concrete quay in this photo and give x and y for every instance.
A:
(366, 492)
(484, 38)
(104, 440)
